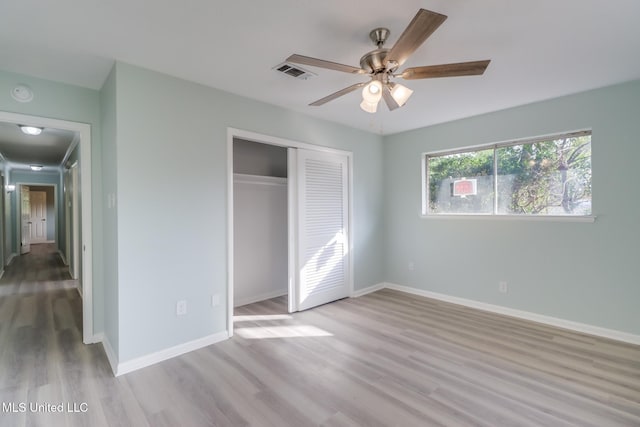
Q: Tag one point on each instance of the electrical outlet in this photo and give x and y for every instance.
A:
(181, 308)
(412, 266)
(215, 300)
(502, 287)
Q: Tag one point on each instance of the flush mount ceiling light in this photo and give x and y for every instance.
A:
(31, 130)
(381, 65)
(36, 167)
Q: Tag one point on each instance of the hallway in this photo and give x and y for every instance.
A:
(41, 269)
(42, 358)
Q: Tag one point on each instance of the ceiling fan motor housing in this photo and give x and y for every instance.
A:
(374, 61)
(379, 36)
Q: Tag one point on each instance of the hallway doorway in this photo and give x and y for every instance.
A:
(46, 170)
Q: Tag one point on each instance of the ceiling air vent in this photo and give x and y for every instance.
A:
(293, 70)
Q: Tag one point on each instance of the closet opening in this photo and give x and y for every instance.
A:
(289, 226)
(260, 222)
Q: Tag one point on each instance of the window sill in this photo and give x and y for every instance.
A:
(545, 218)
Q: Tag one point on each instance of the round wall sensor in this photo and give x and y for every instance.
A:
(22, 93)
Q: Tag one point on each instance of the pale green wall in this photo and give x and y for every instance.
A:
(72, 103)
(584, 272)
(172, 201)
(108, 115)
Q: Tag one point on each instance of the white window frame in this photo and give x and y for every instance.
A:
(494, 215)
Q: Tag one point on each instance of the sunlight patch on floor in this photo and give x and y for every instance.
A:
(293, 331)
(256, 317)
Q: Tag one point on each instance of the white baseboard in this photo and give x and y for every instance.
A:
(527, 315)
(11, 257)
(360, 292)
(153, 358)
(111, 355)
(96, 338)
(261, 297)
(64, 259)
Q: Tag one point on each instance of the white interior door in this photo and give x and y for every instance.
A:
(38, 200)
(322, 263)
(25, 213)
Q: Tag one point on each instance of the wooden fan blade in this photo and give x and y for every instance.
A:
(388, 99)
(337, 94)
(420, 28)
(315, 62)
(473, 68)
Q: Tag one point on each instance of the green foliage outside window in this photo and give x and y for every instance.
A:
(550, 177)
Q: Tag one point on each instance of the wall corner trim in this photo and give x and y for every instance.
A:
(521, 314)
(255, 298)
(369, 289)
(95, 338)
(108, 350)
(12, 255)
(64, 259)
(168, 353)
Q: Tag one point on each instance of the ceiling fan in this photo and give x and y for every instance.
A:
(381, 65)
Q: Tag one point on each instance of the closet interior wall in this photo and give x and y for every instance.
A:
(260, 222)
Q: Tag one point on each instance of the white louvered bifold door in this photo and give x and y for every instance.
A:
(323, 221)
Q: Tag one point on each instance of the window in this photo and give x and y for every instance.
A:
(541, 177)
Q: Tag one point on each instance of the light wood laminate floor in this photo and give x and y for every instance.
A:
(385, 359)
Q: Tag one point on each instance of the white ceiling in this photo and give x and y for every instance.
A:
(539, 49)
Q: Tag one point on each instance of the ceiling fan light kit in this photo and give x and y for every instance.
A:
(400, 93)
(369, 107)
(372, 92)
(381, 64)
(371, 95)
(375, 90)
